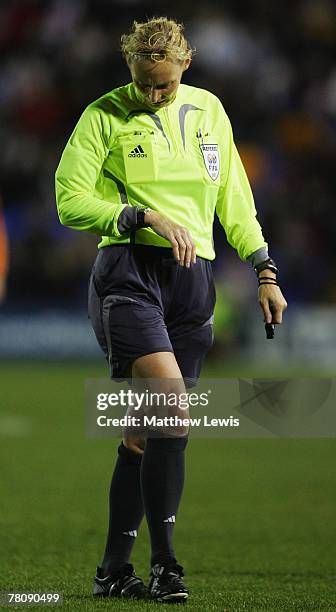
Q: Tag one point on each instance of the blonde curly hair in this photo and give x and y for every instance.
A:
(158, 39)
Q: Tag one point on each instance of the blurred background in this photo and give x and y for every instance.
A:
(273, 66)
(262, 510)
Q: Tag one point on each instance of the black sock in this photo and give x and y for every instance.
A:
(162, 480)
(126, 510)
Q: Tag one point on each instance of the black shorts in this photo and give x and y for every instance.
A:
(142, 301)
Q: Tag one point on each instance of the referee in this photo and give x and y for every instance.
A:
(146, 168)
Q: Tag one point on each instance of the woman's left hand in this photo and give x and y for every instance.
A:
(271, 301)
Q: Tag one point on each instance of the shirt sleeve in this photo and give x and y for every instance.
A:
(235, 204)
(77, 175)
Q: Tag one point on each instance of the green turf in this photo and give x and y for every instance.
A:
(256, 529)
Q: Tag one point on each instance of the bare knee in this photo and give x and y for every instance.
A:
(161, 376)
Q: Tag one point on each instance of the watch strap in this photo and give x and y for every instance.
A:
(140, 217)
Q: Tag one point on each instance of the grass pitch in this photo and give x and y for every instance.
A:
(256, 529)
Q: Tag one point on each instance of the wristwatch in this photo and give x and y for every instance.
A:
(269, 264)
(140, 217)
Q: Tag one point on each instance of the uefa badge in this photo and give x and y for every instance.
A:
(211, 159)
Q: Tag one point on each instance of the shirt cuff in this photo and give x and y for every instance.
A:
(258, 256)
(127, 219)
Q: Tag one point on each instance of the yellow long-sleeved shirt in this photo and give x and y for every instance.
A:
(180, 160)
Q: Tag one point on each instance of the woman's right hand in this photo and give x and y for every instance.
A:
(179, 237)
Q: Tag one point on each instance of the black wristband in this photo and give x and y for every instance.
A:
(269, 264)
(267, 280)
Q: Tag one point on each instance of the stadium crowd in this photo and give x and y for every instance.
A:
(272, 65)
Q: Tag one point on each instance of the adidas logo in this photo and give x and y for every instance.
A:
(133, 533)
(171, 519)
(137, 152)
